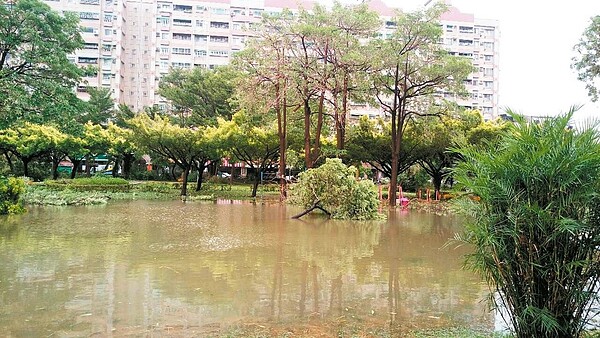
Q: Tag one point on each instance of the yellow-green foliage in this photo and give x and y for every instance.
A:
(11, 190)
(336, 187)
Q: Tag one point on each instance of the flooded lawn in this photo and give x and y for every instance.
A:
(172, 269)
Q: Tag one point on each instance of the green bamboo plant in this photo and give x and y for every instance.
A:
(533, 212)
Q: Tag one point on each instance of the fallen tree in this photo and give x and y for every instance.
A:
(334, 189)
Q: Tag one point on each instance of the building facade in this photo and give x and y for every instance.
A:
(477, 39)
(134, 42)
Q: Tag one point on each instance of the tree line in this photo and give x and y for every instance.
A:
(284, 101)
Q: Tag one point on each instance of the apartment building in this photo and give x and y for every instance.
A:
(477, 39)
(135, 42)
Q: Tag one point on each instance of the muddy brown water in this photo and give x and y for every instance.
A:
(144, 267)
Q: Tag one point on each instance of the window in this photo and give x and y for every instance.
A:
(199, 52)
(199, 23)
(89, 16)
(219, 39)
(163, 50)
(87, 29)
(87, 60)
(89, 45)
(182, 51)
(220, 25)
(162, 20)
(487, 97)
(201, 8)
(489, 57)
(464, 42)
(108, 18)
(219, 11)
(488, 84)
(182, 22)
(488, 72)
(182, 8)
(89, 2)
(465, 29)
(184, 65)
(108, 31)
(180, 36)
(219, 53)
(200, 38)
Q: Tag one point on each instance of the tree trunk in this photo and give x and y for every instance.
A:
(26, 166)
(392, 196)
(313, 207)
(282, 132)
(437, 183)
(201, 166)
(186, 172)
(76, 164)
(127, 161)
(87, 166)
(115, 169)
(173, 172)
(307, 150)
(9, 161)
(55, 168)
(256, 181)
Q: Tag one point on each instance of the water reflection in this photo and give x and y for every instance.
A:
(139, 267)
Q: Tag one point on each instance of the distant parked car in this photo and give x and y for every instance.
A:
(223, 174)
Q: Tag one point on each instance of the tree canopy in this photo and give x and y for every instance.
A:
(36, 77)
(587, 60)
(334, 187)
(199, 96)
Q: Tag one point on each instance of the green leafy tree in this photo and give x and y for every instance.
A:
(178, 144)
(334, 188)
(587, 60)
(534, 223)
(36, 77)
(437, 135)
(255, 145)
(340, 37)
(199, 96)
(31, 141)
(409, 68)
(100, 106)
(369, 142)
(264, 88)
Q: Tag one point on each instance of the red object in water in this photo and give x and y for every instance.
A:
(404, 201)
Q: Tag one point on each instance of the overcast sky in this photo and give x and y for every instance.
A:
(536, 48)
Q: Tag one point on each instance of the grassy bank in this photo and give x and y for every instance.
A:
(100, 189)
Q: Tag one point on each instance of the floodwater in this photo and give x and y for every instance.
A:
(147, 267)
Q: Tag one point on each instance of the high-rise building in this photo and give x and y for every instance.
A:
(134, 42)
(477, 39)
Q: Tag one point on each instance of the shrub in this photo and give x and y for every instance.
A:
(534, 223)
(338, 191)
(11, 190)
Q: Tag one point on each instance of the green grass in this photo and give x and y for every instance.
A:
(100, 189)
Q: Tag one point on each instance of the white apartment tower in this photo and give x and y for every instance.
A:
(477, 39)
(134, 42)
